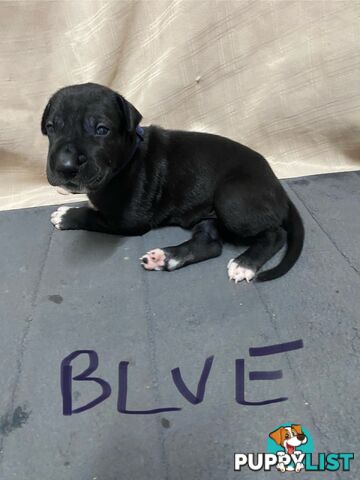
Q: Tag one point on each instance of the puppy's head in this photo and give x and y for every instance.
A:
(289, 437)
(92, 133)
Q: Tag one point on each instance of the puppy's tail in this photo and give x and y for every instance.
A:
(295, 241)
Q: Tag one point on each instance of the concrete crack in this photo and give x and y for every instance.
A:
(292, 369)
(155, 372)
(20, 359)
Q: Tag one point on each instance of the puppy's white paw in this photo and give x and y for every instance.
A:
(154, 260)
(57, 216)
(238, 273)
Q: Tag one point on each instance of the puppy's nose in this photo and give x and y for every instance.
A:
(300, 436)
(67, 165)
(69, 161)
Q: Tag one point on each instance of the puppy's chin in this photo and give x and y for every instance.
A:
(75, 189)
(91, 187)
(68, 187)
(79, 186)
(71, 189)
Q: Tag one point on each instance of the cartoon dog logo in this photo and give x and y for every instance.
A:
(289, 438)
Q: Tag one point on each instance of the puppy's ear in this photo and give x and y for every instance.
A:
(297, 429)
(131, 115)
(276, 435)
(44, 118)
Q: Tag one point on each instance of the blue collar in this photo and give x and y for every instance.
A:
(139, 138)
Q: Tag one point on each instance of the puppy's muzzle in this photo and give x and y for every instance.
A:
(68, 162)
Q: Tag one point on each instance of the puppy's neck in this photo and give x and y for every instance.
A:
(139, 139)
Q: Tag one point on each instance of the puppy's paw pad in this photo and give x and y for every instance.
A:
(58, 215)
(238, 273)
(154, 260)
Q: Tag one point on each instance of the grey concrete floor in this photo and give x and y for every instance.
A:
(67, 291)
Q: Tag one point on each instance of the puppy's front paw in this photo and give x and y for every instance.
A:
(154, 260)
(59, 218)
(237, 272)
(159, 259)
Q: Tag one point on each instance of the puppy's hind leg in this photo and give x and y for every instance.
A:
(265, 246)
(253, 211)
(205, 243)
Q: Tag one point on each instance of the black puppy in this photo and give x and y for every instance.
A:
(142, 178)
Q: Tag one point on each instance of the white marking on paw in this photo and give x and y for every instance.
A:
(238, 273)
(57, 216)
(173, 263)
(153, 260)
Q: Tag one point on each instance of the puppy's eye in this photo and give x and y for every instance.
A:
(50, 127)
(101, 130)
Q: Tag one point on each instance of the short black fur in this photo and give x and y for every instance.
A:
(210, 184)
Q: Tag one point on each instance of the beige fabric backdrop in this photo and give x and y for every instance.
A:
(280, 76)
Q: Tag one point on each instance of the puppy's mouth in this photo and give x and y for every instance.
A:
(73, 187)
(290, 449)
(83, 186)
(79, 184)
